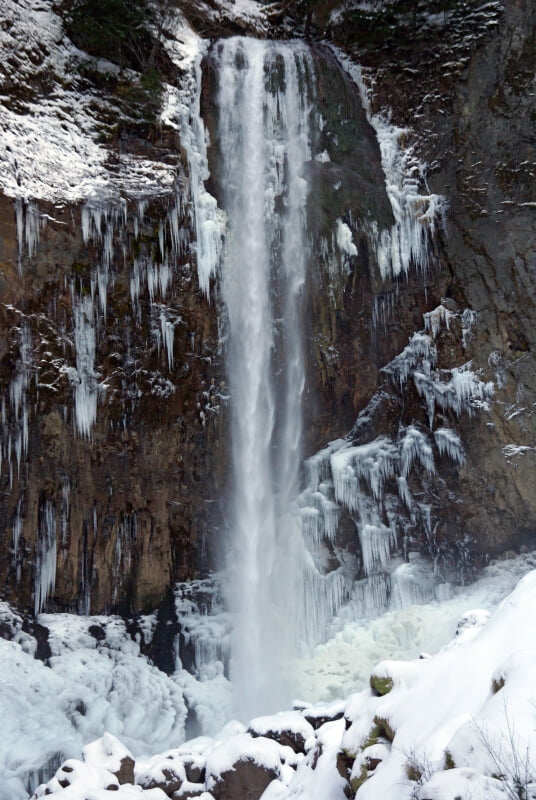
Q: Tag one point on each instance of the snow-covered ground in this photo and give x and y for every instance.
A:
(97, 681)
(459, 725)
(344, 662)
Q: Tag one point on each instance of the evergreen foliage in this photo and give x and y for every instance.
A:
(127, 33)
(118, 30)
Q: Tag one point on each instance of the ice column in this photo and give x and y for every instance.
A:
(85, 395)
(45, 556)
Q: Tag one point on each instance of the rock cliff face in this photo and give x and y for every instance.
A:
(114, 413)
(472, 114)
(119, 499)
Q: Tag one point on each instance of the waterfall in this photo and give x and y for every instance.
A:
(263, 135)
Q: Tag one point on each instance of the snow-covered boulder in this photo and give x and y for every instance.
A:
(288, 728)
(242, 767)
(75, 775)
(164, 772)
(109, 754)
(319, 715)
(194, 766)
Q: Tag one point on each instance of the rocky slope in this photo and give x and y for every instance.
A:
(472, 118)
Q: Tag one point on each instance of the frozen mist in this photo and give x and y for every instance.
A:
(263, 136)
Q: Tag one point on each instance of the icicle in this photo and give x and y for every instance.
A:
(469, 318)
(45, 556)
(462, 392)
(85, 397)
(108, 244)
(135, 286)
(375, 462)
(420, 352)
(164, 278)
(17, 431)
(34, 221)
(376, 544)
(65, 509)
(433, 320)
(152, 280)
(404, 492)
(208, 219)
(19, 213)
(17, 529)
(448, 442)
(168, 332)
(29, 223)
(318, 466)
(161, 240)
(142, 208)
(415, 446)
(416, 215)
(177, 233)
(102, 283)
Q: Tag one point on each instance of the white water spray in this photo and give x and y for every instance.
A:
(263, 133)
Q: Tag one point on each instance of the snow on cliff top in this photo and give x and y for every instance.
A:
(49, 130)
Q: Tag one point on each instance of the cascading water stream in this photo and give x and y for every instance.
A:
(263, 134)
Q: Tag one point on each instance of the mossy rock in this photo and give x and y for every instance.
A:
(360, 779)
(345, 761)
(381, 685)
(384, 728)
(380, 730)
(372, 738)
(449, 761)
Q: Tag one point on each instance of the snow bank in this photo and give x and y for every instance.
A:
(450, 710)
(356, 644)
(470, 707)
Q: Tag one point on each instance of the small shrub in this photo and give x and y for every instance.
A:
(419, 769)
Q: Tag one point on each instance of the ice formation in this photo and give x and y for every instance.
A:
(344, 239)
(416, 215)
(449, 442)
(371, 481)
(459, 389)
(398, 737)
(15, 405)
(45, 556)
(207, 217)
(205, 624)
(85, 393)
